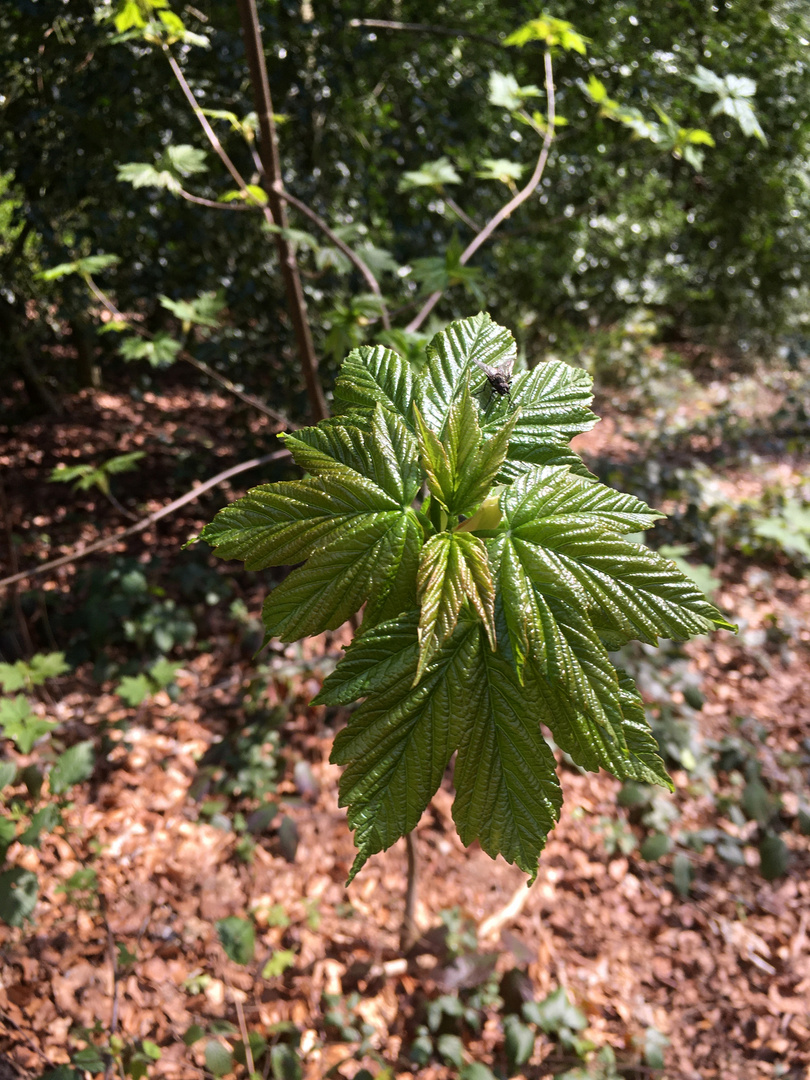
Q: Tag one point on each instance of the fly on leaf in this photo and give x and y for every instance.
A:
(499, 378)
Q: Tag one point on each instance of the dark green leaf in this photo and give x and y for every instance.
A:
(285, 1063)
(90, 1060)
(218, 1058)
(372, 375)
(238, 938)
(774, 857)
(451, 1050)
(397, 745)
(655, 847)
(44, 820)
(555, 1013)
(507, 793)
(18, 895)
(519, 1041)
(372, 661)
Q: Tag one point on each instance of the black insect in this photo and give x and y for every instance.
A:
(499, 379)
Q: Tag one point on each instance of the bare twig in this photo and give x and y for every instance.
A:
(211, 135)
(465, 217)
(268, 152)
(505, 210)
(184, 354)
(491, 927)
(198, 200)
(422, 28)
(144, 523)
(341, 245)
(243, 1031)
(410, 934)
(350, 254)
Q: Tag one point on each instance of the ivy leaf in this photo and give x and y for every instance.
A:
(453, 570)
(398, 743)
(507, 793)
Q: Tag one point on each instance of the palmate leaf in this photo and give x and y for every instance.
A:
(495, 572)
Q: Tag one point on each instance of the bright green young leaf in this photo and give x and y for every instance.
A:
(432, 174)
(20, 724)
(135, 689)
(204, 310)
(554, 32)
(161, 351)
(92, 264)
(505, 92)
(508, 172)
(453, 571)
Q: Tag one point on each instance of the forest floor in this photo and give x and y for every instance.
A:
(719, 966)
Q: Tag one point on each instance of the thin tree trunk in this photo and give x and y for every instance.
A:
(268, 152)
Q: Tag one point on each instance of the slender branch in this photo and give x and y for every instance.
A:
(350, 254)
(268, 151)
(422, 28)
(200, 365)
(491, 927)
(508, 208)
(465, 217)
(144, 523)
(341, 245)
(219, 149)
(200, 201)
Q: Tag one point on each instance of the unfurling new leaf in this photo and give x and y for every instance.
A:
(494, 573)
